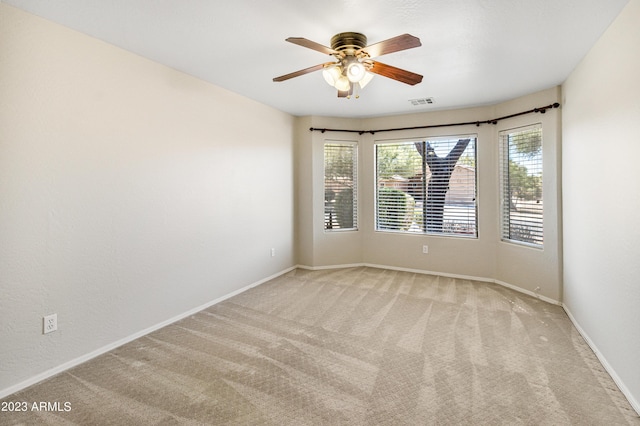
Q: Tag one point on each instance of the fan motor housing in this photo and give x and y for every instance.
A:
(349, 40)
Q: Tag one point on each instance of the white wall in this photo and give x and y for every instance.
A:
(601, 197)
(130, 193)
(484, 258)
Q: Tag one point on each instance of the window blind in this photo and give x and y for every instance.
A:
(340, 185)
(427, 186)
(521, 185)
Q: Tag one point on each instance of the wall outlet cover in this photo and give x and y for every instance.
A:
(49, 323)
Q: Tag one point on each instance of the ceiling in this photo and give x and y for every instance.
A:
(474, 52)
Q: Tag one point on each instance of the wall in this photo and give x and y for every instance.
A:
(601, 199)
(130, 194)
(484, 258)
(318, 248)
(452, 255)
(523, 266)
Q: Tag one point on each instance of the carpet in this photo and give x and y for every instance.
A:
(353, 346)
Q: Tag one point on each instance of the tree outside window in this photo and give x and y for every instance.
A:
(427, 186)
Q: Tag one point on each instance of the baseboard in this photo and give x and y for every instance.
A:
(442, 274)
(322, 268)
(529, 292)
(426, 272)
(473, 278)
(618, 381)
(86, 357)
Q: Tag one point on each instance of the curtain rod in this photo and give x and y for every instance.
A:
(541, 110)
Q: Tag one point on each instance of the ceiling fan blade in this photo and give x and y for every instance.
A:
(301, 72)
(301, 41)
(395, 44)
(399, 74)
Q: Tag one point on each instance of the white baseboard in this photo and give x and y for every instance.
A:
(442, 274)
(422, 271)
(623, 388)
(322, 268)
(86, 357)
(529, 292)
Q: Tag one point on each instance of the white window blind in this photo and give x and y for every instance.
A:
(340, 185)
(427, 186)
(521, 185)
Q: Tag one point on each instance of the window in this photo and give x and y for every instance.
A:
(427, 186)
(340, 185)
(521, 185)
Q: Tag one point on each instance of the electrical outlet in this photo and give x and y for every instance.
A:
(273, 252)
(425, 249)
(49, 323)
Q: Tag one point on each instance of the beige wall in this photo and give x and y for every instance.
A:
(484, 258)
(405, 251)
(601, 199)
(317, 247)
(130, 194)
(522, 266)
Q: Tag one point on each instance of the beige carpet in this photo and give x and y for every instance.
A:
(356, 346)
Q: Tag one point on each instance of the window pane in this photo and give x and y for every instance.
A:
(427, 186)
(340, 185)
(521, 184)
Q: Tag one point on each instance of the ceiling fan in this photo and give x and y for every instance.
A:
(353, 61)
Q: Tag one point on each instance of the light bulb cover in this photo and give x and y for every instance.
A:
(365, 79)
(355, 71)
(331, 74)
(343, 84)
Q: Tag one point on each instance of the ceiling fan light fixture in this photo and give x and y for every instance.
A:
(353, 61)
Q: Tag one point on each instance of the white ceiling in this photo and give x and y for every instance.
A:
(473, 52)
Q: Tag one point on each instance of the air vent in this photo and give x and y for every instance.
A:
(421, 101)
